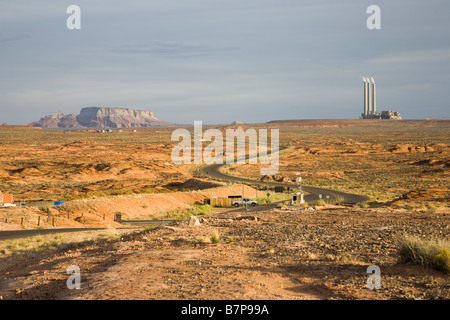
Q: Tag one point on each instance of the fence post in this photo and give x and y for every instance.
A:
(21, 221)
(39, 220)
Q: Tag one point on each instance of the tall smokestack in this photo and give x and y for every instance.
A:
(366, 98)
(369, 96)
(374, 96)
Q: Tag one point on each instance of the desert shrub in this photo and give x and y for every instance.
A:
(45, 209)
(113, 235)
(201, 240)
(201, 210)
(363, 205)
(302, 205)
(344, 257)
(215, 236)
(431, 208)
(442, 260)
(196, 210)
(428, 253)
(272, 198)
(270, 250)
(408, 207)
(321, 203)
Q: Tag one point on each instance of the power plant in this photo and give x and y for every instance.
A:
(370, 103)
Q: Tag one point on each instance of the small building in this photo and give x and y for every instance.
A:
(390, 115)
(222, 202)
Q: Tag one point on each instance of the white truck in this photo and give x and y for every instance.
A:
(243, 202)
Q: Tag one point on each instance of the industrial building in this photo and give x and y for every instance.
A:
(370, 103)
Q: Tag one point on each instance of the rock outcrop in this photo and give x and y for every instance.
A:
(98, 117)
(57, 120)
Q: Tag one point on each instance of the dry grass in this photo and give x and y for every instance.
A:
(48, 242)
(215, 236)
(428, 253)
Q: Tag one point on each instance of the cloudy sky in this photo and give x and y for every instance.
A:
(224, 60)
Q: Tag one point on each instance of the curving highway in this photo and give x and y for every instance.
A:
(213, 171)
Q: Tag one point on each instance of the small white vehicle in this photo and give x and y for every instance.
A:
(243, 202)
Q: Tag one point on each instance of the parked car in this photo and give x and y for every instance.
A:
(244, 201)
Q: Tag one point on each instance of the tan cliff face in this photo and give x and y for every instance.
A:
(95, 117)
(57, 120)
(100, 117)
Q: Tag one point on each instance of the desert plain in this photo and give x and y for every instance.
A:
(313, 251)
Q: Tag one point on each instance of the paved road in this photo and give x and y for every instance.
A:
(147, 222)
(213, 171)
(13, 234)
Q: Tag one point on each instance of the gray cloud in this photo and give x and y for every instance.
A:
(14, 38)
(169, 49)
(216, 61)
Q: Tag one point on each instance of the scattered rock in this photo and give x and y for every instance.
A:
(193, 221)
(251, 218)
(380, 228)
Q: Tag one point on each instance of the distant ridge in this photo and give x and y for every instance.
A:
(341, 123)
(101, 117)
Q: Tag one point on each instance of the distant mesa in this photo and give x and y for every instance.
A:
(236, 122)
(100, 117)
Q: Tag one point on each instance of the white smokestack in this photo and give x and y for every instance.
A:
(374, 96)
(369, 96)
(366, 98)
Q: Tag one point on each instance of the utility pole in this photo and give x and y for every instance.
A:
(299, 180)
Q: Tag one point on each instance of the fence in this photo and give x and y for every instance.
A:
(221, 202)
(37, 221)
(43, 220)
(335, 200)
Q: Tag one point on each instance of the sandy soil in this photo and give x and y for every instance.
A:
(276, 254)
(403, 166)
(99, 212)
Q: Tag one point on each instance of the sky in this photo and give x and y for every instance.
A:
(218, 61)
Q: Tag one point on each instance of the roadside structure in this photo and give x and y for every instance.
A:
(6, 200)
